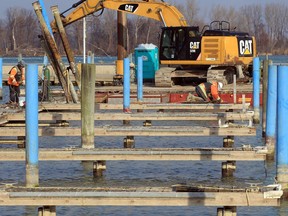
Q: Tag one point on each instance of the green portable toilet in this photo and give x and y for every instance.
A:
(150, 56)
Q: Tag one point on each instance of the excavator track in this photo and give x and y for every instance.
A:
(220, 74)
(163, 77)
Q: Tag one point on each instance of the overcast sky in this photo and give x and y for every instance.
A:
(204, 5)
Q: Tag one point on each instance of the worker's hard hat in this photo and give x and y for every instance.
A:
(220, 85)
(21, 63)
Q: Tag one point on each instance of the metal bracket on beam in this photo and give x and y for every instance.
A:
(98, 168)
(129, 142)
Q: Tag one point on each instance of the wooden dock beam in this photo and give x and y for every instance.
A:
(155, 154)
(18, 196)
(159, 116)
(235, 130)
(146, 106)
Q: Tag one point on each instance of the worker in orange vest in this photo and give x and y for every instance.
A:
(15, 80)
(209, 91)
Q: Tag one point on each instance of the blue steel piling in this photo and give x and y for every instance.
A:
(256, 89)
(282, 120)
(140, 79)
(31, 112)
(126, 86)
(271, 110)
(45, 61)
(89, 58)
(45, 16)
(1, 78)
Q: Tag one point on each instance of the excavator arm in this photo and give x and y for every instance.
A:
(153, 9)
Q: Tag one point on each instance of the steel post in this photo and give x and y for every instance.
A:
(45, 16)
(140, 79)
(126, 86)
(256, 89)
(271, 108)
(282, 119)
(264, 94)
(31, 112)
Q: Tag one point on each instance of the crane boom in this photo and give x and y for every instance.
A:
(152, 9)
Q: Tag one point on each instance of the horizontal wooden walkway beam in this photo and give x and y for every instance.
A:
(161, 106)
(138, 131)
(160, 116)
(255, 154)
(149, 197)
(174, 106)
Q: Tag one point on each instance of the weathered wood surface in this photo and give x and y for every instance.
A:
(138, 131)
(155, 154)
(170, 106)
(161, 106)
(161, 116)
(16, 196)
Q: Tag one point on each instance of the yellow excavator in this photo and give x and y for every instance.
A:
(185, 52)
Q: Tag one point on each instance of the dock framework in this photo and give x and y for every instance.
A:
(226, 126)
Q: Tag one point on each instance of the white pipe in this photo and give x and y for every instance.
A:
(84, 40)
(161, 15)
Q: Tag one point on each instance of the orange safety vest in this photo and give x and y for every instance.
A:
(16, 76)
(211, 90)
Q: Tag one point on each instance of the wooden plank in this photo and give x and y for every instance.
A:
(4, 118)
(171, 106)
(138, 131)
(164, 106)
(59, 106)
(160, 116)
(15, 141)
(138, 154)
(48, 197)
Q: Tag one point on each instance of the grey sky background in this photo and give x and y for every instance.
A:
(204, 5)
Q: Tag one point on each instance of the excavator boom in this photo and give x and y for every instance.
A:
(216, 54)
(152, 9)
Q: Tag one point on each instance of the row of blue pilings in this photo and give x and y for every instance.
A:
(126, 83)
(276, 131)
(31, 112)
(277, 109)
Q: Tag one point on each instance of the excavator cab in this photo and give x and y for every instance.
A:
(180, 43)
